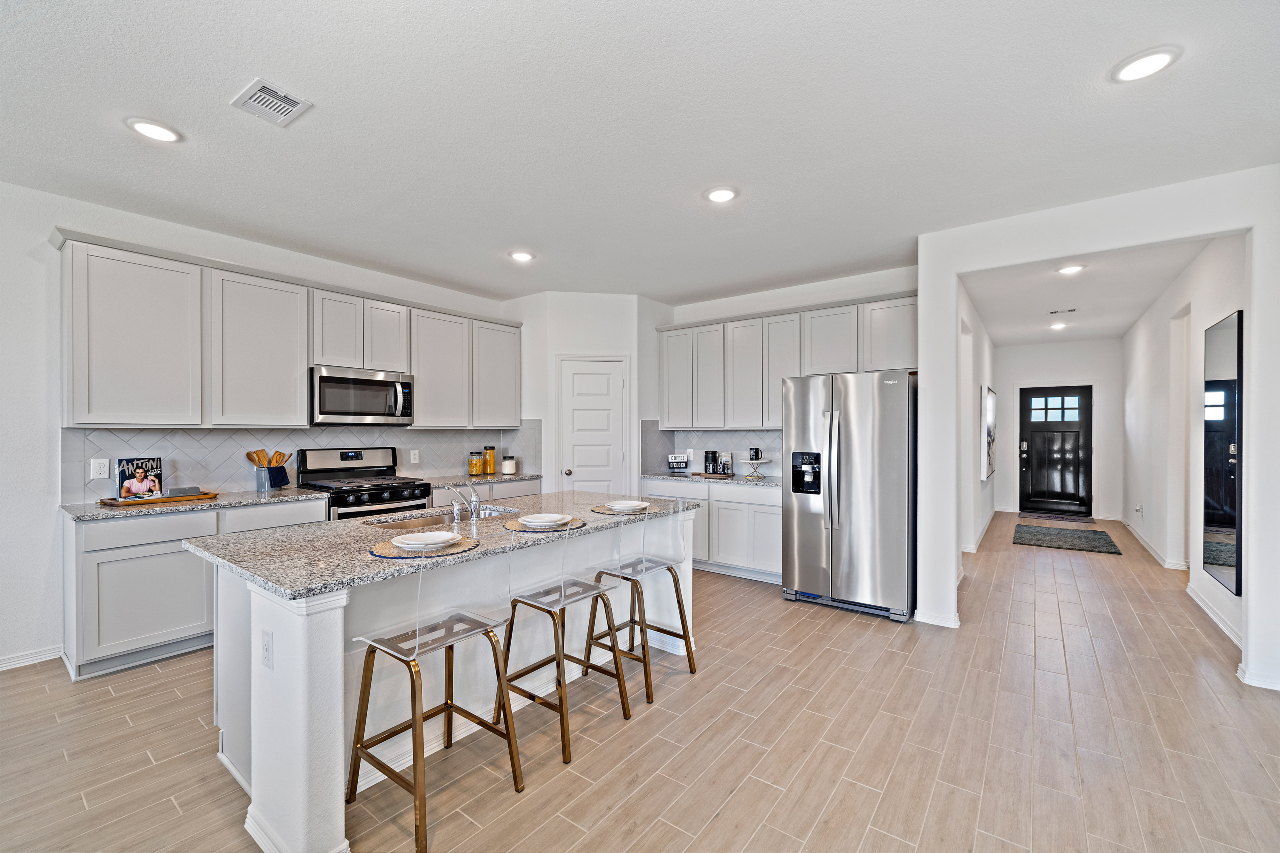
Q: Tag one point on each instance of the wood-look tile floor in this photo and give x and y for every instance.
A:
(1085, 704)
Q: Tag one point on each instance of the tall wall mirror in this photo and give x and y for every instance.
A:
(1223, 366)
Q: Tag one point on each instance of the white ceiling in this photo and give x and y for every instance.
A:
(445, 134)
(1112, 291)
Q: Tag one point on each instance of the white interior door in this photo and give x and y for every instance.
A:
(592, 426)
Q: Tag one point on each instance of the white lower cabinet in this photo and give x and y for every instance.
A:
(736, 526)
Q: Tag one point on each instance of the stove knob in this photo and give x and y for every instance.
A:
(349, 499)
(411, 493)
(386, 496)
(364, 497)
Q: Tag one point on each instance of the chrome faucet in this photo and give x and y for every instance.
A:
(473, 503)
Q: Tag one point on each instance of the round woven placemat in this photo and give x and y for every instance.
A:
(388, 551)
(604, 510)
(518, 527)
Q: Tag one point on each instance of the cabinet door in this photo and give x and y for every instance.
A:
(830, 340)
(889, 334)
(744, 374)
(441, 368)
(675, 350)
(259, 351)
(337, 329)
(386, 336)
(135, 338)
(781, 360)
(143, 596)
(766, 538)
(731, 539)
(708, 377)
(495, 375)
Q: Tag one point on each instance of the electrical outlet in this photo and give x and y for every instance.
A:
(268, 650)
(413, 457)
(99, 469)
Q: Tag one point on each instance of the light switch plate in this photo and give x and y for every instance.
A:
(268, 650)
(413, 457)
(99, 469)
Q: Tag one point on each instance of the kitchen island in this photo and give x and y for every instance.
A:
(292, 600)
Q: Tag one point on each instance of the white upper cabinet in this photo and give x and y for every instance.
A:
(337, 329)
(830, 341)
(708, 377)
(675, 356)
(495, 375)
(441, 368)
(135, 353)
(781, 360)
(386, 336)
(744, 374)
(889, 334)
(258, 369)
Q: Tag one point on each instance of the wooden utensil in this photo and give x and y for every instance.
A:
(276, 459)
(263, 461)
(286, 459)
(248, 454)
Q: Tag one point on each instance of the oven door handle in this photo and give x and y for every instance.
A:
(337, 513)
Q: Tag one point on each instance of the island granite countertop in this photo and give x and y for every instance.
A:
(303, 560)
(226, 500)
(768, 482)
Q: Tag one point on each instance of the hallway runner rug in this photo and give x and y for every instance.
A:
(1065, 538)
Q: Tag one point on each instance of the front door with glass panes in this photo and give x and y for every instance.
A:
(1055, 450)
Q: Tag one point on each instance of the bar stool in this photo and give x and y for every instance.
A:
(554, 600)
(407, 648)
(633, 571)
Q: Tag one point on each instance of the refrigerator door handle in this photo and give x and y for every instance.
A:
(833, 469)
(826, 458)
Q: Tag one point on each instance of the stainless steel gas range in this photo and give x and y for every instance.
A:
(361, 481)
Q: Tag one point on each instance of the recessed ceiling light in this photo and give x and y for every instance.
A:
(1145, 64)
(722, 194)
(1057, 326)
(153, 130)
(1071, 270)
(522, 257)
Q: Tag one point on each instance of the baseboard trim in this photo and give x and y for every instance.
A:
(983, 533)
(28, 658)
(235, 774)
(1217, 618)
(269, 841)
(1267, 682)
(1160, 558)
(739, 572)
(946, 621)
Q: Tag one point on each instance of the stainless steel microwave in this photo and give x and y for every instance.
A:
(341, 395)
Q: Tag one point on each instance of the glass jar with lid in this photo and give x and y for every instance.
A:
(475, 463)
(490, 459)
(508, 465)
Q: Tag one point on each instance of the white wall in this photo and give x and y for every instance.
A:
(1164, 356)
(1096, 363)
(788, 298)
(976, 372)
(1248, 200)
(30, 414)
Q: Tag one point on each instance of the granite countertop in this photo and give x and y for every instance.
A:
(303, 560)
(467, 479)
(736, 480)
(226, 500)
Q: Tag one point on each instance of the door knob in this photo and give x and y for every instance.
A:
(568, 472)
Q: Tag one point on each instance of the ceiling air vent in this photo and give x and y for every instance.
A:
(270, 103)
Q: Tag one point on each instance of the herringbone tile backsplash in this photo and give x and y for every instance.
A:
(214, 459)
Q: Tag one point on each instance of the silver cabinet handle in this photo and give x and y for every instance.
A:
(568, 472)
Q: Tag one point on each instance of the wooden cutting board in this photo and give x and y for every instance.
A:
(118, 503)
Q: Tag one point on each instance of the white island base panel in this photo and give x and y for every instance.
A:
(287, 737)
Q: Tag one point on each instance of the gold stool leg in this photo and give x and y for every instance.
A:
(562, 692)
(506, 664)
(591, 631)
(362, 712)
(517, 776)
(637, 603)
(448, 696)
(419, 761)
(684, 620)
(617, 659)
(631, 620)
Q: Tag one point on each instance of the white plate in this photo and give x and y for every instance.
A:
(627, 506)
(545, 519)
(426, 541)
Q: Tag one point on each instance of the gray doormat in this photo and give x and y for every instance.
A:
(1098, 541)
(1220, 553)
(1048, 516)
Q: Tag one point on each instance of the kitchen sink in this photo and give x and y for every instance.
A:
(444, 520)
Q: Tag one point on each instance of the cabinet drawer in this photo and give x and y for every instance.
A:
(272, 515)
(762, 495)
(516, 490)
(123, 532)
(673, 489)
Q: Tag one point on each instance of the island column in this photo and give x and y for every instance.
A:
(296, 723)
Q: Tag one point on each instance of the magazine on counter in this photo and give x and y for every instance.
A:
(138, 478)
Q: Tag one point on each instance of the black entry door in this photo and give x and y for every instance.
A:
(1055, 450)
(1220, 453)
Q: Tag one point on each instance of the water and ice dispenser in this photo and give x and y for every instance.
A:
(806, 473)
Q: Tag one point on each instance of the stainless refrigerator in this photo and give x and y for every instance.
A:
(849, 494)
